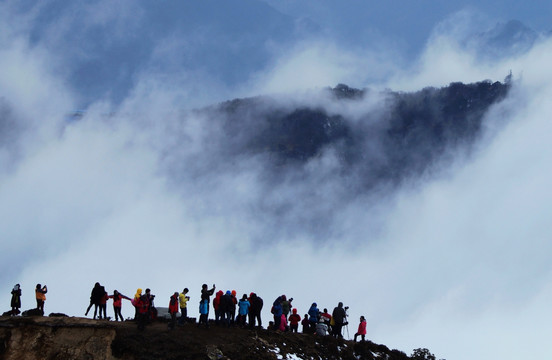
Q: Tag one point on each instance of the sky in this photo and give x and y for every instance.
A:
(140, 193)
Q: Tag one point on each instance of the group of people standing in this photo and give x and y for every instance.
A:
(98, 299)
(40, 296)
(320, 323)
(225, 305)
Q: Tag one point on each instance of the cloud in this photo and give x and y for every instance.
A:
(144, 194)
(315, 63)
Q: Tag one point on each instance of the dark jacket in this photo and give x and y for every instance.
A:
(256, 304)
(16, 298)
(226, 303)
(205, 294)
(97, 294)
(339, 315)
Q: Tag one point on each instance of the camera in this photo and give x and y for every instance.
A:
(346, 308)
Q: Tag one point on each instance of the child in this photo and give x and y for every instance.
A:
(283, 323)
(361, 328)
(306, 324)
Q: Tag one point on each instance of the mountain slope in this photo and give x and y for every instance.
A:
(77, 338)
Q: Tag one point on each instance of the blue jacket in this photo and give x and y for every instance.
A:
(277, 307)
(243, 306)
(314, 313)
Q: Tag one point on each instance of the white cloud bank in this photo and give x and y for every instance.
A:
(460, 264)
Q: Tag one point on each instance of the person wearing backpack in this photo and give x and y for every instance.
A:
(338, 315)
(103, 303)
(173, 309)
(142, 306)
(95, 296)
(286, 305)
(216, 306)
(255, 310)
(277, 312)
(225, 308)
(314, 316)
(204, 305)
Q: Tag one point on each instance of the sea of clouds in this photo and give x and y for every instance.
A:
(139, 194)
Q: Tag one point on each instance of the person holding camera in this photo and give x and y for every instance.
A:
(183, 301)
(204, 304)
(152, 311)
(339, 317)
(40, 293)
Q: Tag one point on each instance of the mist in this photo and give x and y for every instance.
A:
(145, 192)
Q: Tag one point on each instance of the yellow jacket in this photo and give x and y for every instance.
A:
(182, 299)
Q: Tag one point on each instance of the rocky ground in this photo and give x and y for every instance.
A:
(80, 338)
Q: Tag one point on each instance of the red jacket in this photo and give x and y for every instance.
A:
(294, 319)
(173, 304)
(216, 300)
(119, 302)
(142, 304)
(362, 328)
(104, 298)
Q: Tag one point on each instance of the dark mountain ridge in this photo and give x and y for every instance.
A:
(331, 149)
(403, 136)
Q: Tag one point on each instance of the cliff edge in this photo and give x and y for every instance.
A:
(80, 338)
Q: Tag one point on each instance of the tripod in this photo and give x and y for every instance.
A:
(347, 324)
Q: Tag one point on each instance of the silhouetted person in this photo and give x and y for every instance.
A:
(339, 315)
(183, 302)
(204, 304)
(152, 311)
(95, 297)
(103, 303)
(173, 309)
(142, 306)
(40, 293)
(255, 310)
(16, 299)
